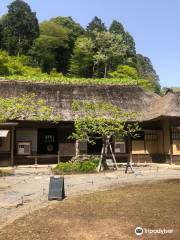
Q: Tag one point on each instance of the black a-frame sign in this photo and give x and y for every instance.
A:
(56, 189)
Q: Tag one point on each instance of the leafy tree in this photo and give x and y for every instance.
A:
(98, 55)
(130, 57)
(63, 54)
(74, 29)
(104, 120)
(3, 64)
(96, 25)
(1, 35)
(11, 65)
(25, 108)
(109, 48)
(82, 58)
(124, 71)
(52, 37)
(147, 71)
(130, 75)
(117, 28)
(17, 67)
(20, 28)
(129, 41)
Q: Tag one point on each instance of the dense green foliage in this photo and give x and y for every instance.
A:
(82, 59)
(77, 167)
(130, 57)
(125, 71)
(12, 65)
(20, 28)
(102, 119)
(96, 25)
(52, 38)
(63, 54)
(97, 55)
(60, 50)
(17, 68)
(147, 71)
(25, 108)
(5, 173)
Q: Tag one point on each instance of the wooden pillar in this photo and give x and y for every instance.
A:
(130, 148)
(171, 142)
(145, 148)
(36, 161)
(12, 146)
(77, 147)
(163, 146)
(59, 155)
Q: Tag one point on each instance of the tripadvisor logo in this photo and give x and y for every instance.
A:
(139, 231)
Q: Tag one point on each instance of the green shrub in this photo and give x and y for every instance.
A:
(95, 161)
(77, 167)
(87, 166)
(4, 173)
(68, 167)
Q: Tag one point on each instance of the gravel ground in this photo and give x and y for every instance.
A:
(27, 189)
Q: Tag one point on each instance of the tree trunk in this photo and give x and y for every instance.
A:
(105, 70)
(19, 42)
(94, 65)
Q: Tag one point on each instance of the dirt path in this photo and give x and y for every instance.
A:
(27, 189)
(109, 215)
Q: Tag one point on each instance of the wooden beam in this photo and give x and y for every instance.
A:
(12, 146)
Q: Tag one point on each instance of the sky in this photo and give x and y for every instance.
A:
(154, 24)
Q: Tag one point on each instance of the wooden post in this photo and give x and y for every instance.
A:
(130, 148)
(77, 147)
(12, 146)
(163, 144)
(171, 142)
(36, 157)
(101, 158)
(113, 155)
(145, 150)
(58, 156)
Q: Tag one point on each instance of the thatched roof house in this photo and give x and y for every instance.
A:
(167, 106)
(61, 96)
(26, 141)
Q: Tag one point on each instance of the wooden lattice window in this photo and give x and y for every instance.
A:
(151, 135)
(176, 133)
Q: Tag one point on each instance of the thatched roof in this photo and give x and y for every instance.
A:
(167, 106)
(61, 96)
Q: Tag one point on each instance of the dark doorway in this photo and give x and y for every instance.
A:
(95, 148)
(47, 141)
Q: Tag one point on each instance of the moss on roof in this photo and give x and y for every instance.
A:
(126, 97)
